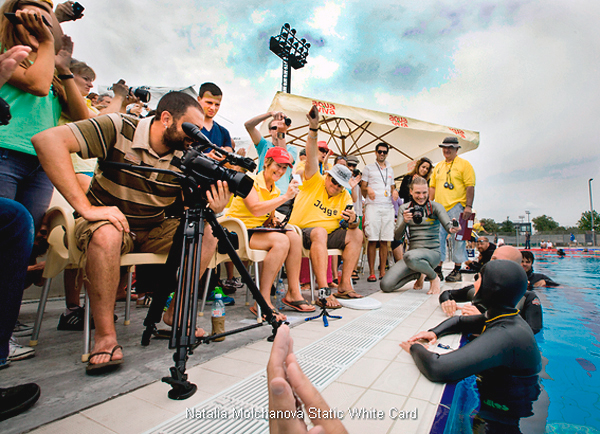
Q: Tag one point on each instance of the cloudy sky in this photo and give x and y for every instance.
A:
(524, 73)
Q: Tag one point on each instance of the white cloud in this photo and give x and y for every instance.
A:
(325, 18)
(258, 17)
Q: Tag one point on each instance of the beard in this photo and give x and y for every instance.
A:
(174, 139)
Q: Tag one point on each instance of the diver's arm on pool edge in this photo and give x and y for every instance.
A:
(459, 324)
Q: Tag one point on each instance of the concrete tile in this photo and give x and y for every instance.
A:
(408, 424)
(127, 414)
(373, 400)
(210, 381)
(342, 395)
(263, 345)
(426, 390)
(385, 350)
(402, 333)
(233, 367)
(75, 424)
(156, 393)
(414, 321)
(249, 355)
(398, 378)
(363, 372)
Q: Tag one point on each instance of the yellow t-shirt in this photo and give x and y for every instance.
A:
(239, 210)
(299, 165)
(461, 176)
(79, 164)
(313, 206)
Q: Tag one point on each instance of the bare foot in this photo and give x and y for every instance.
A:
(168, 320)
(332, 301)
(419, 283)
(434, 287)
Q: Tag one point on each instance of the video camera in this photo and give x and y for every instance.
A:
(205, 171)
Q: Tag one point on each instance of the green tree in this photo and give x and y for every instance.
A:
(490, 225)
(585, 222)
(544, 223)
(507, 226)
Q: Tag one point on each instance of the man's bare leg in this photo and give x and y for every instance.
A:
(383, 257)
(371, 252)
(352, 250)
(103, 266)
(318, 258)
(435, 286)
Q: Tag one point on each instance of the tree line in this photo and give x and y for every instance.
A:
(544, 223)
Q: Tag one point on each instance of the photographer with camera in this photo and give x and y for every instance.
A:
(421, 218)
(257, 211)
(124, 210)
(278, 127)
(321, 207)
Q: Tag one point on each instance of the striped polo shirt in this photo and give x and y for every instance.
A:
(141, 196)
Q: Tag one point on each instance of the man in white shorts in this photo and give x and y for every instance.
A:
(378, 188)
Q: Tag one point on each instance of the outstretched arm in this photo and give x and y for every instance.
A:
(312, 161)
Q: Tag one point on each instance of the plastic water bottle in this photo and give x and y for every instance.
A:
(218, 316)
(279, 294)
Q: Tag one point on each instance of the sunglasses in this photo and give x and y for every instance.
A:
(323, 150)
(351, 165)
(382, 152)
(273, 128)
(334, 182)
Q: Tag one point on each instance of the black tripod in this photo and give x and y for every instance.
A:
(183, 337)
(323, 294)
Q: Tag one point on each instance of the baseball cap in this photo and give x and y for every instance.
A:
(280, 155)
(322, 144)
(341, 174)
(352, 159)
(450, 142)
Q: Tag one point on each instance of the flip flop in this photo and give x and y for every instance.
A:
(295, 305)
(166, 333)
(102, 367)
(372, 278)
(318, 303)
(254, 311)
(346, 295)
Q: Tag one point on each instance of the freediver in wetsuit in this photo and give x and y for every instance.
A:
(423, 253)
(506, 345)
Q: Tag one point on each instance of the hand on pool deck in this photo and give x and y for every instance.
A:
(289, 388)
(469, 309)
(449, 307)
(430, 337)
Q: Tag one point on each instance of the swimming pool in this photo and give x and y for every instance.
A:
(569, 401)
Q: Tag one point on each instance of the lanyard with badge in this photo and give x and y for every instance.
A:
(384, 179)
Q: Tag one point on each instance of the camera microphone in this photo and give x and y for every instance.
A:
(193, 131)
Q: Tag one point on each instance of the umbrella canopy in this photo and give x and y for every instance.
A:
(356, 131)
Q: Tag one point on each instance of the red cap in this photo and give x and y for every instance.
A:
(322, 144)
(280, 155)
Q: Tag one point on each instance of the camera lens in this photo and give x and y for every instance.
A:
(288, 121)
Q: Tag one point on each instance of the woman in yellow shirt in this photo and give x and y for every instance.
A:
(256, 209)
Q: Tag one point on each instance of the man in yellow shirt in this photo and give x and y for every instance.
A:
(320, 206)
(452, 185)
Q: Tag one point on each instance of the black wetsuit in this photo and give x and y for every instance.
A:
(530, 307)
(506, 345)
(484, 258)
(536, 277)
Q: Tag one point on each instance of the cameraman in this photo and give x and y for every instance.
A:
(320, 208)
(422, 218)
(123, 211)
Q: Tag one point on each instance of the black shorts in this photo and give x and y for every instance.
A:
(335, 240)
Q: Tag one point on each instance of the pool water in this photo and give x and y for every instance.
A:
(570, 342)
(569, 401)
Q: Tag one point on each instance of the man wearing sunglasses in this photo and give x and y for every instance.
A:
(379, 189)
(320, 206)
(452, 185)
(277, 129)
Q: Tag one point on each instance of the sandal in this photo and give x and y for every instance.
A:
(318, 303)
(348, 295)
(102, 367)
(296, 305)
(255, 312)
(372, 278)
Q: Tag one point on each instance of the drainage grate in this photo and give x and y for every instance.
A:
(243, 407)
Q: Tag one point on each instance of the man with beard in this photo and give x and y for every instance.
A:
(123, 211)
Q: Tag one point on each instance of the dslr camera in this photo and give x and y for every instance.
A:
(417, 213)
(142, 93)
